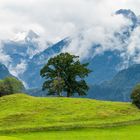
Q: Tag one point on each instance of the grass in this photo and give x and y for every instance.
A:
(31, 118)
(115, 133)
(23, 113)
(9, 138)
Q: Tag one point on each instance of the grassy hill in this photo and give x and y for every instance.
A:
(21, 112)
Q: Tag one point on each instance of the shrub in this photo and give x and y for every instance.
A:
(135, 96)
(10, 85)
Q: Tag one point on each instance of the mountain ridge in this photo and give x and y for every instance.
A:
(120, 87)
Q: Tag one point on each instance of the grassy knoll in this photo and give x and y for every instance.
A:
(20, 112)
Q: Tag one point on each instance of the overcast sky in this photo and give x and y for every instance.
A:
(56, 19)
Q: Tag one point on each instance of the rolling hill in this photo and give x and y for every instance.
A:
(24, 113)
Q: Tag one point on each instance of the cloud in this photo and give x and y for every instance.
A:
(87, 22)
(4, 58)
(56, 19)
(102, 34)
(133, 48)
(19, 69)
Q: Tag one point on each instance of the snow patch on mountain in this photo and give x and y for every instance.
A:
(25, 36)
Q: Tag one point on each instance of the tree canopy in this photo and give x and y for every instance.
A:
(65, 74)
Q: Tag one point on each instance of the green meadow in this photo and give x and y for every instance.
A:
(23, 117)
(131, 132)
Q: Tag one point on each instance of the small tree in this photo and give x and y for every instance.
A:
(65, 73)
(10, 85)
(135, 96)
(13, 84)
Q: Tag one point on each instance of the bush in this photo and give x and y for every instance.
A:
(10, 85)
(135, 96)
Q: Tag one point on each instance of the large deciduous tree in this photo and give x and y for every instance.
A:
(65, 74)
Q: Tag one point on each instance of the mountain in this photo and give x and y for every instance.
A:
(108, 63)
(32, 74)
(104, 66)
(4, 72)
(27, 59)
(138, 20)
(129, 14)
(119, 88)
(37, 92)
(22, 44)
(20, 49)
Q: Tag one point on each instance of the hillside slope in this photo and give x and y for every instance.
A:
(119, 88)
(20, 112)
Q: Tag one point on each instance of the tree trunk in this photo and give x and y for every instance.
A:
(68, 93)
(0, 94)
